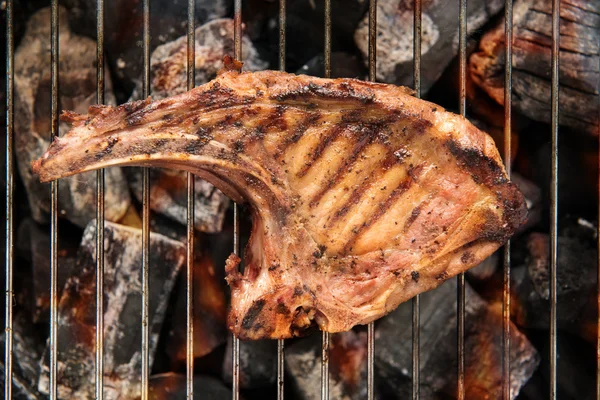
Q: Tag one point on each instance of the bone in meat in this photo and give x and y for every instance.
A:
(362, 196)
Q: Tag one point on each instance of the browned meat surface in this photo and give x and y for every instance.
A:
(362, 196)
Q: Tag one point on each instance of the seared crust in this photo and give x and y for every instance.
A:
(362, 195)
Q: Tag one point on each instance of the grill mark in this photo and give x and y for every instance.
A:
(414, 173)
(369, 134)
(274, 120)
(308, 121)
(321, 147)
(354, 197)
(383, 166)
(415, 214)
(359, 146)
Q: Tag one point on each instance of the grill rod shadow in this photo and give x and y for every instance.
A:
(8, 328)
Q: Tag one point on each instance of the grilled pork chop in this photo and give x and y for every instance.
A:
(362, 196)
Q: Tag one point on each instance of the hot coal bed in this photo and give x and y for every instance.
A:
(531, 157)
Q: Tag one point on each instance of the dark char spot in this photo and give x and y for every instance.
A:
(415, 276)
(282, 309)
(252, 314)
(442, 277)
(467, 257)
(238, 146)
(298, 291)
(110, 143)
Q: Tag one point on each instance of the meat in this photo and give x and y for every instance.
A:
(362, 196)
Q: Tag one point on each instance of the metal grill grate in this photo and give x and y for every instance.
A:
(9, 261)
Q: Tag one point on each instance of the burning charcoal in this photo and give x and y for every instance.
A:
(219, 245)
(214, 40)
(172, 386)
(122, 311)
(343, 65)
(26, 355)
(535, 389)
(168, 196)
(304, 27)
(169, 63)
(439, 39)
(533, 198)
(167, 227)
(258, 363)
(347, 366)
(210, 311)
(21, 390)
(483, 355)
(486, 269)
(580, 229)
(33, 241)
(576, 285)
(133, 218)
(577, 172)
(576, 361)
(77, 75)
(123, 20)
(532, 22)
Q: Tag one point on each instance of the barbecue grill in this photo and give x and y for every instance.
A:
(281, 346)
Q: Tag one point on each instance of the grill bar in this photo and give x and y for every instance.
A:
(235, 341)
(372, 40)
(327, 50)
(327, 74)
(280, 342)
(416, 307)
(370, 358)
(280, 369)
(372, 78)
(598, 281)
(508, 16)
(462, 44)
(99, 378)
(145, 216)
(191, 78)
(282, 27)
(325, 367)
(237, 30)
(237, 49)
(8, 329)
(54, 204)
(554, 193)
